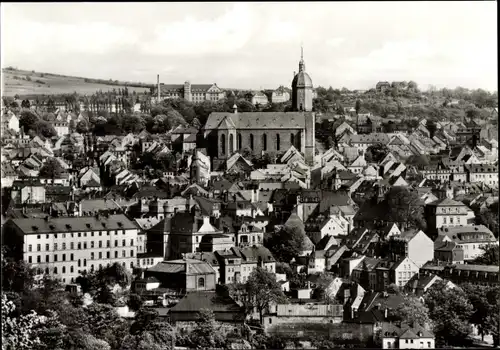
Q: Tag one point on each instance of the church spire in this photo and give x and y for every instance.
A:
(302, 65)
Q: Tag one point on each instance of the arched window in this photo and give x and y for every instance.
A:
(277, 142)
(223, 144)
(231, 144)
(292, 139)
(55, 270)
(201, 282)
(251, 142)
(64, 269)
(238, 139)
(264, 142)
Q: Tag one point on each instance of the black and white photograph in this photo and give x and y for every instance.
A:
(249, 175)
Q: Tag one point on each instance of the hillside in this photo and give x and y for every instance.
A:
(29, 83)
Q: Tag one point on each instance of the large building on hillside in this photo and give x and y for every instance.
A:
(66, 247)
(265, 132)
(191, 92)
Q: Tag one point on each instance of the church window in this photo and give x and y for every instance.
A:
(264, 142)
(251, 142)
(223, 144)
(277, 142)
(231, 144)
(238, 138)
(292, 139)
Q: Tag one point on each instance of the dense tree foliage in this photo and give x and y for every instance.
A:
(450, 311)
(51, 169)
(406, 208)
(376, 153)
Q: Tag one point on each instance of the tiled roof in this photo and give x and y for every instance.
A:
(446, 203)
(258, 120)
(184, 266)
(194, 301)
(74, 224)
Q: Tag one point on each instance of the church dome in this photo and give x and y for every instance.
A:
(301, 80)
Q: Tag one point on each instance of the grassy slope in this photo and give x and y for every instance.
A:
(54, 84)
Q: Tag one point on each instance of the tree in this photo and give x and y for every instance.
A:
(82, 127)
(25, 103)
(321, 292)
(489, 218)
(489, 256)
(432, 127)
(263, 290)
(412, 85)
(173, 119)
(28, 120)
(206, 334)
(196, 123)
(135, 302)
(376, 153)
(450, 312)
(484, 300)
(287, 243)
(52, 169)
(357, 106)
(17, 276)
(406, 208)
(412, 310)
(44, 129)
(18, 332)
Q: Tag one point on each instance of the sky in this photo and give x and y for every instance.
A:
(257, 45)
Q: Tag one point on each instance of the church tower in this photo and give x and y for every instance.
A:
(302, 88)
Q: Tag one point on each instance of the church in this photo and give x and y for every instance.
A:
(274, 132)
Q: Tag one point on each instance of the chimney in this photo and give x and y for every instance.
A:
(158, 84)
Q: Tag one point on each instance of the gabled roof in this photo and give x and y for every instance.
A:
(195, 301)
(258, 120)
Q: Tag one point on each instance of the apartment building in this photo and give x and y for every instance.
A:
(65, 247)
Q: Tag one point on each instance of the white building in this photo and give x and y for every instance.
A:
(65, 247)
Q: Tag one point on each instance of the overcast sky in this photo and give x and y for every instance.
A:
(257, 45)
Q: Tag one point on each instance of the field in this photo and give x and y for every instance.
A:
(16, 82)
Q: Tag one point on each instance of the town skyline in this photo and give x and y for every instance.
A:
(338, 50)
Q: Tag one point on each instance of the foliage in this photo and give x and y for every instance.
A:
(405, 207)
(28, 120)
(484, 300)
(490, 218)
(320, 293)
(450, 311)
(18, 332)
(489, 256)
(206, 334)
(262, 290)
(135, 302)
(412, 310)
(51, 169)
(287, 243)
(17, 276)
(376, 153)
(44, 129)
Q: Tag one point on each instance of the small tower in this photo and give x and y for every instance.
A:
(302, 88)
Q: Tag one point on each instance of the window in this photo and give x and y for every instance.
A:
(124, 243)
(38, 247)
(116, 243)
(251, 142)
(79, 263)
(64, 246)
(444, 220)
(47, 258)
(277, 142)
(84, 245)
(428, 344)
(100, 244)
(37, 236)
(92, 233)
(292, 139)
(72, 245)
(222, 144)
(264, 142)
(84, 262)
(79, 234)
(92, 256)
(270, 320)
(47, 247)
(107, 255)
(108, 244)
(406, 341)
(30, 248)
(132, 242)
(72, 257)
(64, 269)
(131, 253)
(238, 140)
(124, 254)
(116, 254)
(71, 269)
(30, 259)
(55, 270)
(92, 244)
(38, 259)
(64, 257)
(201, 282)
